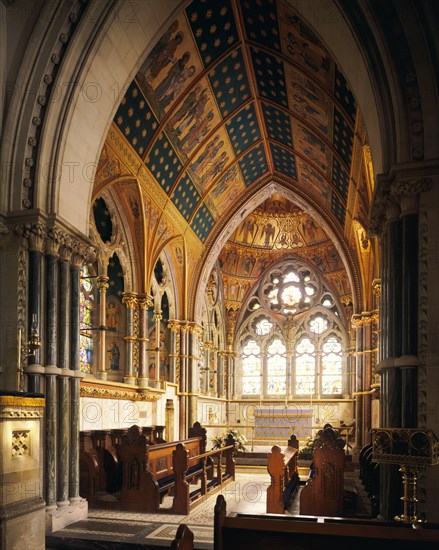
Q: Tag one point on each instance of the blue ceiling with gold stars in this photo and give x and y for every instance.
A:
(236, 91)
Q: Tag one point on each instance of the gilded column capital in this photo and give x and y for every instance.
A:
(376, 287)
(102, 283)
(157, 315)
(174, 326)
(196, 329)
(129, 300)
(364, 318)
(145, 301)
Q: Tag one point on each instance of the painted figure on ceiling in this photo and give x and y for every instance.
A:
(197, 133)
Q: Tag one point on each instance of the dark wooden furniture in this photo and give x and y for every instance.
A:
(283, 470)
(259, 532)
(324, 490)
(184, 538)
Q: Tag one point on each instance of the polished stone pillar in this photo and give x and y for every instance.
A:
(63, 379)
(51, 437)
(51, 310)
(130, 301)
(174, 352)
(142, 376)
(357, 323)
(102, 283)
(184, 329)
(157, 317)
(195, 332)
(76, 375)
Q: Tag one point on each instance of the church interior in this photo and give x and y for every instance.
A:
(222, 212)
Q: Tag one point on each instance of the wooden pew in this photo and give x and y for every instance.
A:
(259, 532)
(323, 492)
(184, 539)
(184, 467)
(283, 470)
(89, 468)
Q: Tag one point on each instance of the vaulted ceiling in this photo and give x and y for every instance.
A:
(235, 94)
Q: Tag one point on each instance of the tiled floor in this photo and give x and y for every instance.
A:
(103, 527)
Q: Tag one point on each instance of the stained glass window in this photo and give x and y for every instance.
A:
(332, 365)
(251, 368)
(276, 368)
(305, 367)
(86, 306)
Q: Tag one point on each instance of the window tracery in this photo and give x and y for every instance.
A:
(291, 337)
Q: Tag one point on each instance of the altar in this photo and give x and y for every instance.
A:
(277, 424)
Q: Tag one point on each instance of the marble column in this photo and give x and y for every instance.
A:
(174, 355)
(63, 378)
(130, 301)
(51, 437)
(194, 334)
(222, 358)
(184, 328)
(76, 375)
(390, 479)
(142, 376)
(102, 284)
(157, 317)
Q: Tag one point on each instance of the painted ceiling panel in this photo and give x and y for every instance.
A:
(340, 179)
(338, 209)
(243, 129)
(202, 223)
(283, 161)
(253, 165)
(136, 119)
(269, 73)
(260, 20)
(230, 82)
(343, 137)
(164, 163)
(278, 124)
(213, 26)
(344, 95)
(185, 197)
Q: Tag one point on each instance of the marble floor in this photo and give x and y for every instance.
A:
(111, 530)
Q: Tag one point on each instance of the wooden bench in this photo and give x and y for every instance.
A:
(184, 539)
(185, 466)
(259, 532)
(284, 474)
(323, 493)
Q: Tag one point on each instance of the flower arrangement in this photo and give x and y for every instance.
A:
(240, 440)
(305, 453)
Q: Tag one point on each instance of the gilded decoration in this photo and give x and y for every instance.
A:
(109, 393)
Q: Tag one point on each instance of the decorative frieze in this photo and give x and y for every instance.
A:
(108, 393)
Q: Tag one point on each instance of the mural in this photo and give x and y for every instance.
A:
(205, 134)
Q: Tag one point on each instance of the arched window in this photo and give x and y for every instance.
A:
(276, 368)
(332, 358)
(87, 299)
(305, 367)
(251, 368)
(291, 336)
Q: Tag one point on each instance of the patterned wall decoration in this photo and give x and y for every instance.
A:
(272, 424)
(232, 92)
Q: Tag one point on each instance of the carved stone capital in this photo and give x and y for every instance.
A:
(129, 300)
(54, 239)
(102, 283)
(376, 287)
(407, 191)
(145, 301)
(174, 326)
(35, 233)
(157, 317)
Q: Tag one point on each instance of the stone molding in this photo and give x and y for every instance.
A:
(108, 393)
